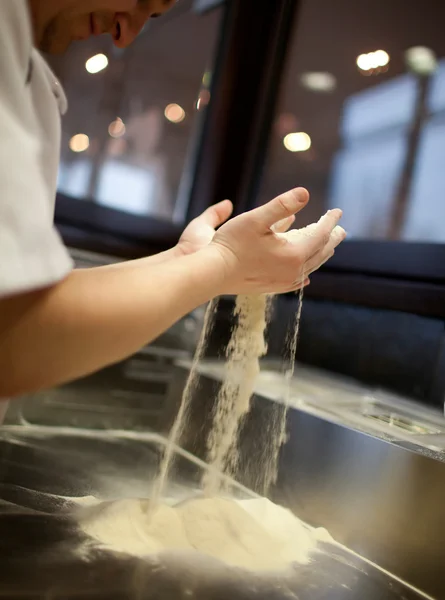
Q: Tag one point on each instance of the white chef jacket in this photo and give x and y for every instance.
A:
(32, 255)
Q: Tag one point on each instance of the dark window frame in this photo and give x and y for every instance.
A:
(227, 159)
(230, 144)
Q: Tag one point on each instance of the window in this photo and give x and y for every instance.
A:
(131, 122)
(361, 117)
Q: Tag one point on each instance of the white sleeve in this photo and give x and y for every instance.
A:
(32, 254)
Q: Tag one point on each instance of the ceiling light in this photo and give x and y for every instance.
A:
(117, 128)
(319, 81)
(297, 142)
(79, 143)
(421, 60)
(373, 63)
(381, 58)
(174, 113)
(96, 63)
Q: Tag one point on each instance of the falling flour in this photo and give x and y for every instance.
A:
(187, 396)
(277, 434)
(247, 344)
(253, 534)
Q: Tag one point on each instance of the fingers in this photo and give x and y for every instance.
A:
(283, 225)
(280, 208)
(319, 234)
(319, 258)
(217, 214)
(315, 262)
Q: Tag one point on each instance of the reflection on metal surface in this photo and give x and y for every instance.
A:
(45, 554)
(383, 500)
(376, 497)
(395, 420)
(349, 403)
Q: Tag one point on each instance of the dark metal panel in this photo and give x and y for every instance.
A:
(382, 501)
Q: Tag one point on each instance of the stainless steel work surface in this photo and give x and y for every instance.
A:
(374, 411)
(44, 470)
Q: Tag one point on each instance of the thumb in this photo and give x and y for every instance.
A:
(217, 214)
(284, 225)
(281, 207)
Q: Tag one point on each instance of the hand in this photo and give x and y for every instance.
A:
(257, 258)
(199, 233)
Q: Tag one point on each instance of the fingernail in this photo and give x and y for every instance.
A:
(303, 195)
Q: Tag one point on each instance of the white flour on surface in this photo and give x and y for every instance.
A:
(252, 534)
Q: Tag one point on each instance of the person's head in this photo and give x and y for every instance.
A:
(57, 23)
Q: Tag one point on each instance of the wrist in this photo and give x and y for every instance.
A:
(223, 263)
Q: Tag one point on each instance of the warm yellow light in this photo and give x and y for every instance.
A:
(79, 143)
(381, 58)
(96, 63)
(297, 142)
(174, 113)
(364, 62)
(373, 60)
(117, 128)
(319, 81)
(421, 60)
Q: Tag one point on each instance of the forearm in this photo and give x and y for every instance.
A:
(97, 317)
(154, 259)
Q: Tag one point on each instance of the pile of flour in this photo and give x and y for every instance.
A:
(252, 534)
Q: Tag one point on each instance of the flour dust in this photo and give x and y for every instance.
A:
(246, 347)
(277, 435)
(247, 344)
(187, 396)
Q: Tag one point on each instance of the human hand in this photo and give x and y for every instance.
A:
(257, 258)
(199, 233)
